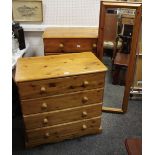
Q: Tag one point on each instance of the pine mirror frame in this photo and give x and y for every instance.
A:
(134, 43)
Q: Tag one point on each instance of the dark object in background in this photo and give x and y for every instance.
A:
(16, 109)
(118, 75)
(134, 146)
(126, 38)
(126, 43)
(19, 34)
(128, 29)
(112, 11)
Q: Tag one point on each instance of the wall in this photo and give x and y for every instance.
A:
(60, 13)
(34, 42)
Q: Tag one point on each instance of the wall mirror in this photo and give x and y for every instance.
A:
(119, 28)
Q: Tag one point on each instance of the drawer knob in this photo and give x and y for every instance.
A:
(47, 134)
(84, 113)
(85, 99)
(44, 105)
(61, 45)
(94, 45)
(45, 120)
(84, 126)
(85, 83)
(43, 89)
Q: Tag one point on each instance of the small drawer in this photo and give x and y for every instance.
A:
(63, 131)
(62, 116)
(51, 53)
(64, 101)
(69, 45)
(55, 86)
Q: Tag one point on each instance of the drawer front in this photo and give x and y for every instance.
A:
(64, 101)
(44, 88)
(63, 131)
(67, 45)
(51, 53)
(62, 116)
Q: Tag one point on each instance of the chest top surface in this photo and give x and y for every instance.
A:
(54, 66)
(74, 32)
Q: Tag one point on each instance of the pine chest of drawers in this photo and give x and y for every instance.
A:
(70, 40)
(61, 96)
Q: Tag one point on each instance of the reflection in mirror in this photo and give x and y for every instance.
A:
(117, 44)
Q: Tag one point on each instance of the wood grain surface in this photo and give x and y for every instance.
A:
(62, 101)
(63, 131)
(33, 89)
(54, 66)
(120, 4)
(71, 32)
(62, 116)
(69, 45)
(61, 96)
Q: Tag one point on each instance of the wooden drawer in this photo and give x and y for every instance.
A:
(62, 116)
(51, 53)
(43, 88)
(69, 45)
(64, 101)
(63, 131)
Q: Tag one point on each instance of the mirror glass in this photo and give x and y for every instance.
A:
(118, 29)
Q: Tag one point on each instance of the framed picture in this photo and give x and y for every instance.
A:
(27, 10)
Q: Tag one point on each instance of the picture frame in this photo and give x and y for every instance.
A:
(27, 10)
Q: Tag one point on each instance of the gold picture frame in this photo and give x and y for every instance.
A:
(27, 10)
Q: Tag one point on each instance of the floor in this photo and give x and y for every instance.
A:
(116, 128)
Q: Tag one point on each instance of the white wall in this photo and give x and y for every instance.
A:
(35, 42)
(60, 13)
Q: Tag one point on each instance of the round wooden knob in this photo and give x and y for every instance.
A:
(44, 105)
(61, 45)
(85, 83)
(84, 126)
(94, 45)
(84, 113)
(45, 120)
(85, 99)
(47, 134)
(43, 89)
